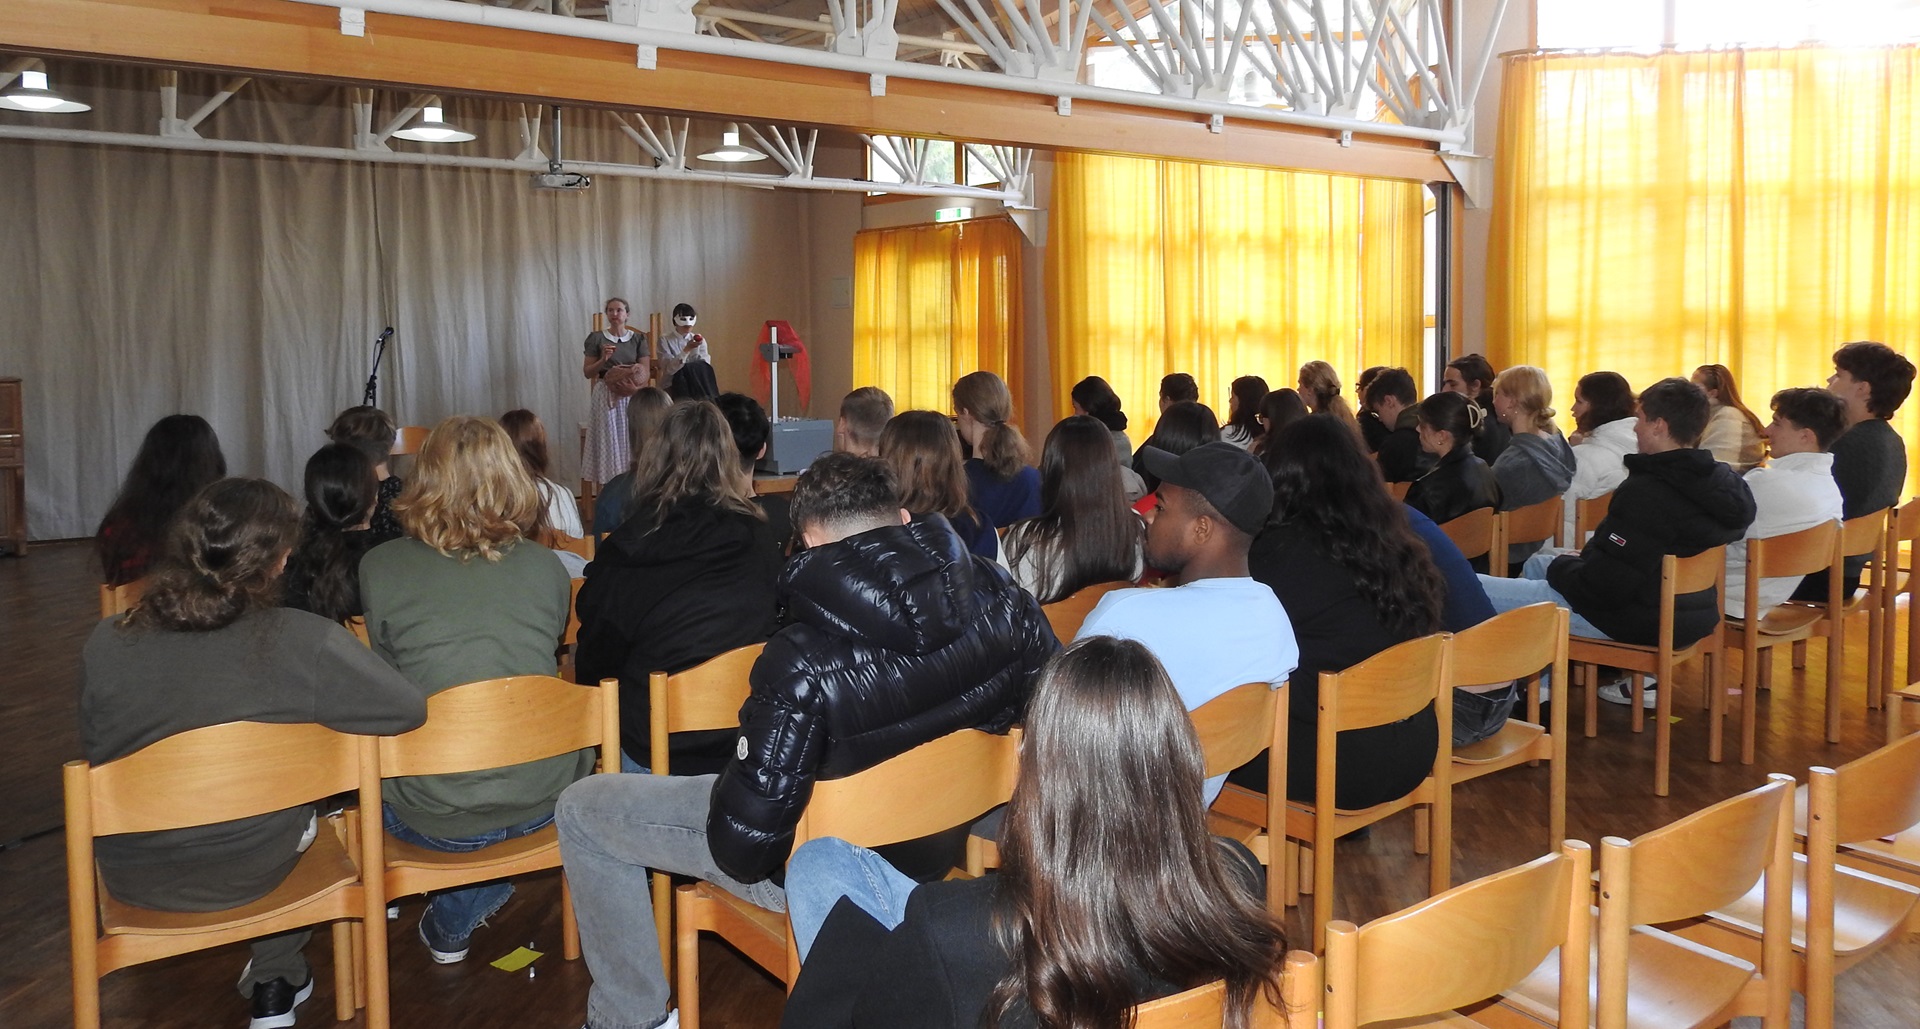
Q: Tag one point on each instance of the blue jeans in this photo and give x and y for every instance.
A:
(457, 913)
(824, 870)
(1532, 588)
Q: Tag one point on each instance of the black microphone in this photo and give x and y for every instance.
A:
(388, 332)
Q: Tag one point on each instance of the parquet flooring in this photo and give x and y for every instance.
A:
(48, 604)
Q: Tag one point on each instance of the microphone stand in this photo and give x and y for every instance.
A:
(373, 377)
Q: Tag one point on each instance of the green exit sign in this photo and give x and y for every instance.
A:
(953, 214)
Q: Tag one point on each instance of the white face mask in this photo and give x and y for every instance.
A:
(685, 323)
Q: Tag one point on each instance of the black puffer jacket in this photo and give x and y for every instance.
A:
(899, 636)
(1679, 502)
(1459, 483)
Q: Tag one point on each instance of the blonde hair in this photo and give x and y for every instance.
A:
(986, 397)
(692, 458)
(470, 492)
(1319, 379)
(1531, 393)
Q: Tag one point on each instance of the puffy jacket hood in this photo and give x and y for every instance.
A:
(1713, 489)
(908, 589)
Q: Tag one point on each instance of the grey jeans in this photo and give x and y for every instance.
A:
(614, 829)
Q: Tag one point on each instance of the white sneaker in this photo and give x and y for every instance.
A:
(1615, 692)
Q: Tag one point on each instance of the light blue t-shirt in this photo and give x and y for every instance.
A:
(1211, 635)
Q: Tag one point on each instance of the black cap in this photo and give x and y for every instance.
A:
(1228, 477)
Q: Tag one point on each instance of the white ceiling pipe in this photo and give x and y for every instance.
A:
(507, 164)
(559, 25)
(780, 21)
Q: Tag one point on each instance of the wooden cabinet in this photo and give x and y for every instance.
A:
(13, 468)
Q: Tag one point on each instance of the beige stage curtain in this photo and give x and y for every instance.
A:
(1166, 266)
(933, 303)
(1749, 208)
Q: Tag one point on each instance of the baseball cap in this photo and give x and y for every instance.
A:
(1229, 478)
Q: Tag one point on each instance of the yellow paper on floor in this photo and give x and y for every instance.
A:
(519, 959)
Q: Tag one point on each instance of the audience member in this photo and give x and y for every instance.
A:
(1603, 405)
(1110, 891)
(1392, 397)
(874, 599)
(1869, 459)
(1183, 426)
(1243, 411)
(1085, 533)
(1093, 396)
(323, 575)
(1459, 481)
(562, 514)
(863, 413)
(1471, 376)
(465, 596)
(209, 644)
(1002, 483)
(179, 456)
(924, 453)
(1354, 580)
(1215, 628)
(1794, 491)
(1278, 409)
(1537, 464)
(373, 431)
(1734, 432)
(1177, 388)
(689, 575)
(1320, 389)
(646, 413)
(752, 430)
(1372, 429)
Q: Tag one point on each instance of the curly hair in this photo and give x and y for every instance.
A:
(223, 558)
(340, 492)
(470, 493)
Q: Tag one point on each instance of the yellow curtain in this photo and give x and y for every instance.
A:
(1167, 266)
(1748, 208)
(934, 302)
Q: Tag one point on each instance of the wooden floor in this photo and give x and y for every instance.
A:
(48, 604)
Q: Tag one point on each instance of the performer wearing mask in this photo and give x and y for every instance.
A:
(685, 365)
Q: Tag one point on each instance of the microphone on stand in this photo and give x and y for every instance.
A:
(386, 334)
(371, 397)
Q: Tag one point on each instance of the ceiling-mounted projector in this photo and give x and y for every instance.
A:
(561, 180)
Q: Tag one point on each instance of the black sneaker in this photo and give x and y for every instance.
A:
(445, 949)
(274, 1002)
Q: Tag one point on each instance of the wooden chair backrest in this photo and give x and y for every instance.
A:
(571, 634)
(1534, 523)
(409, 439)
(554, 539)
(498, 722)
(1861, 537)
(1879, 794)
(116, 600)
(1203, 1007)
(1511, 645)
(358, 626)
(1587, 515)
(1387, 687)
(1906, 523)
(1238, 725)
(1472, 532)
(214, 774)
(1702, 571)
(931, 788)
(1792, 553)
(1706, 860)
(1398, 490)
(1066, 614)
(706, 696)
(1467, 944)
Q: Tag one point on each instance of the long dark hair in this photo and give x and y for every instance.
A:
(529, 437)
(340, 492)
(924, 451)
(1249, 390)
(1182, 427)
(179, 457)
(1278, 409)
(1609, 398)
(1097, 398)
(985, 396)
(222, 558)
(1324, 480)
(1109, 879)
(1453, 414)
(1085, 532)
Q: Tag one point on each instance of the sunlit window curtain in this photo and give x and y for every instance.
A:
(1167, 266)
(1754, 209)
(934, 302)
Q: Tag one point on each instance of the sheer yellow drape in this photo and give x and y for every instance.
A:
(1753, 209)
(1165, 266)
(934, 302)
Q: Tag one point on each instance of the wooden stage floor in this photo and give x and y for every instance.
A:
(48, 603)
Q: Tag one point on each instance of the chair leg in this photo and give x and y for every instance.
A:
(1662, 720)
(569, 923)
(86, 982)
(345, 956)
(1716, 715)
(663, 919)
(1836, 654)
(1322, 892)
(1799, 655)
(378, 1010)
(1422, 830)
(1750, 701)
(357, 931)
(687, 952)
(1636, 684)
(1290, 865)
(1593, 706)
(1876, 643)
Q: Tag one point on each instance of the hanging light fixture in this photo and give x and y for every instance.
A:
(730, 150)
(432, 128)
(35, 96)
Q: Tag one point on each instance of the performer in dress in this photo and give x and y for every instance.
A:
(615, 363)
(685, 365)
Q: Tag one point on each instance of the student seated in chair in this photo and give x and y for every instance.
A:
(899, 636)
(208, 644)
(1869, 458)
(1794, 492)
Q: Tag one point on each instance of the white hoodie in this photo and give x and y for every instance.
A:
(1795, 492)
(1598, 466)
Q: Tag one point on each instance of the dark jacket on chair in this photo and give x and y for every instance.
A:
(1460, 483)
(899, 636)
(1680, 502)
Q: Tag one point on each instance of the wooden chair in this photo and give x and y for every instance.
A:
(1646, 976)
(1840, 915)
(1066, 614)
(1205, 1007)
(1789, 554)
(1519, 644)
(554, 539)
(705, 697)
(1393, 684)
(210, 775)
(1473, 533)
(1705, 570)
(1903, 531)
(1587, 515)
(1470, 943)
(358, 626)
(1398, 490)
(118, 600)
(409, 439)
(933, 787)
(494, 723)
(1234, 728)
(1865, 536)
(1535, 523)
(570, 636)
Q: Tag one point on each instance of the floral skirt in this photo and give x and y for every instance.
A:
(608, 452)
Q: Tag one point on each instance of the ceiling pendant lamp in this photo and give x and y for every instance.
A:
(730, 150)
(35, 96)
(432, 128)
